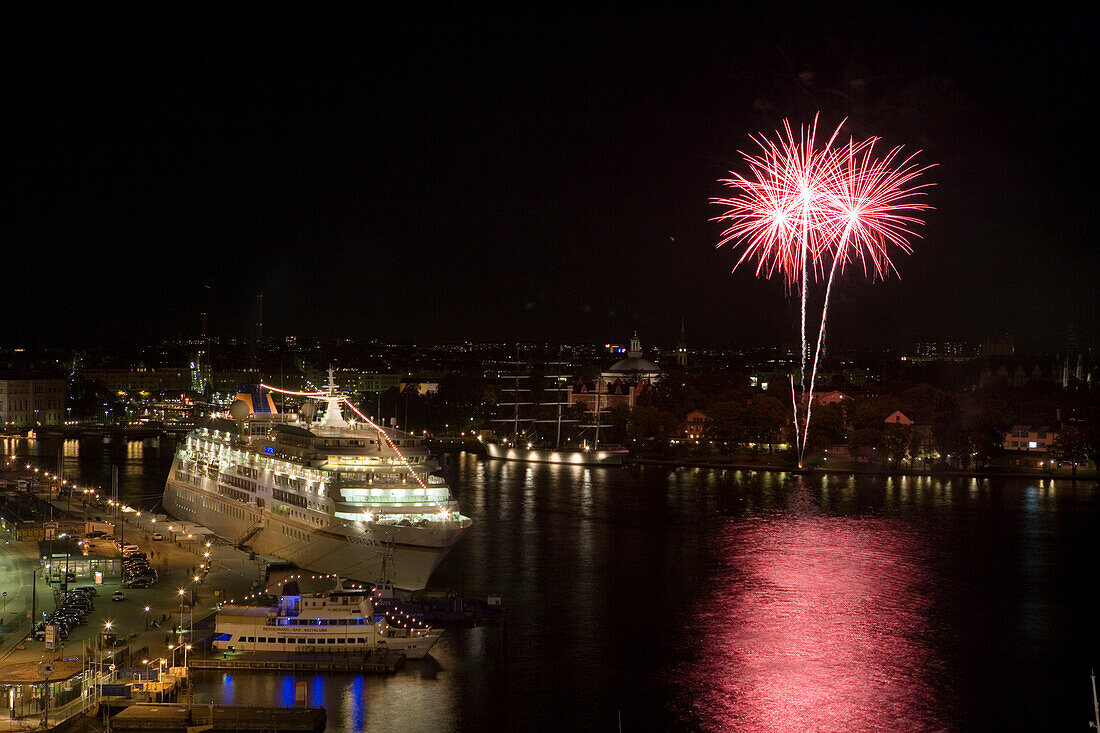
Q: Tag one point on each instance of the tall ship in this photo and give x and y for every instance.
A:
(532, 419)
(330, 495)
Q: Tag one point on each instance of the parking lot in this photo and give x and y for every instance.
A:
(140, 617)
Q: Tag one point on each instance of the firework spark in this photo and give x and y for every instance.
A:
(803, 210)
(779, 214)
(872, 205)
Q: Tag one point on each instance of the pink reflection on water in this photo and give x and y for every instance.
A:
(817, 624)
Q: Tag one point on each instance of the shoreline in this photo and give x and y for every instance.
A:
(817, 470)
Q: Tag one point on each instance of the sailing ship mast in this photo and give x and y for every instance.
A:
(557, 389)
(597, 414)
(517, 402)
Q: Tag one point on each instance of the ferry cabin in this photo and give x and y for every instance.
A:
(337, 623)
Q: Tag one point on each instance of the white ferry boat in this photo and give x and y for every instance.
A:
(338, 621)
(331, 496)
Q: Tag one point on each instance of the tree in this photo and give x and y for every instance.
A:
(873, 411)
(766, 418)
(652, 423)
(863, 438)
(986, 443)
(958, 447)
(618, 417)
(895, 441)
(826, 426)
(1070, 446)
(728, 423)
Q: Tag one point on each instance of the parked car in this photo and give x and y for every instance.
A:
(118, 596)
(77, 601)
(157, 537)
(88, 590)
(76, 606)
(142, 581)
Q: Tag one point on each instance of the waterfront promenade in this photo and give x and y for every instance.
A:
(144, 623)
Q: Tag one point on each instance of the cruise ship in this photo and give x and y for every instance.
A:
(331, 495)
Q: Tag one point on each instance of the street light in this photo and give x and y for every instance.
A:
(181, 593)
(147, 618)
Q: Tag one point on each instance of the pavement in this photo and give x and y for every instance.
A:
(232, 575)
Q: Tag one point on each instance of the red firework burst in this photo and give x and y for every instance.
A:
(869, 205)
(839, 204)
(780, 212)
(803, 209)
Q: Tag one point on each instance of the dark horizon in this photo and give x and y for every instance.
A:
(534, 175)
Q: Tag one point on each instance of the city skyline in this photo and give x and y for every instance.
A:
(534, 176)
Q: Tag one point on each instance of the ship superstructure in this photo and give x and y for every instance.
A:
(331, 496)
(344, 620)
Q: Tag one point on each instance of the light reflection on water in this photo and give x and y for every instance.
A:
(725, 600)
(818, 624)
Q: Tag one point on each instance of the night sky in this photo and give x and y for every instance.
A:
(479, 174)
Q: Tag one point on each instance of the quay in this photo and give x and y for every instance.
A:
(132, 650)
(218, 718)
(371, 663)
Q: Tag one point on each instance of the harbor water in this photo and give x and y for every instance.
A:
(700, 599)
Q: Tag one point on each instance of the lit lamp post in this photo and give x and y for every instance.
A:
(182, 592)
(34, 597)
(147, 618)
(99, 672)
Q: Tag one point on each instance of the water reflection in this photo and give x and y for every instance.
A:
(818, 623)
(724, 600)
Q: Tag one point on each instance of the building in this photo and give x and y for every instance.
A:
(834, 397)
(621, 384)
(370, 381)
(694, 426)
(1029, 438)
(151, 380)
(1028, 446)
(422, 387)
(28, 400)
(898, 418)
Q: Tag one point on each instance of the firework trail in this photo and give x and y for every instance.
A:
(803, 208)
(871, 206)
(778, 215)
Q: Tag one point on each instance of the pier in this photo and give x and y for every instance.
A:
(217, 718)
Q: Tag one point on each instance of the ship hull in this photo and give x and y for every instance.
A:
(546, 455)
(411, 553)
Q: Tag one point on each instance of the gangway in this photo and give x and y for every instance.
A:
(249, 535)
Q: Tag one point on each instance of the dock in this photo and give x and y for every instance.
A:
(373, 663)
(217, 718)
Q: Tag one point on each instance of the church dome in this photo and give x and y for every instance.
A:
(634, 363)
